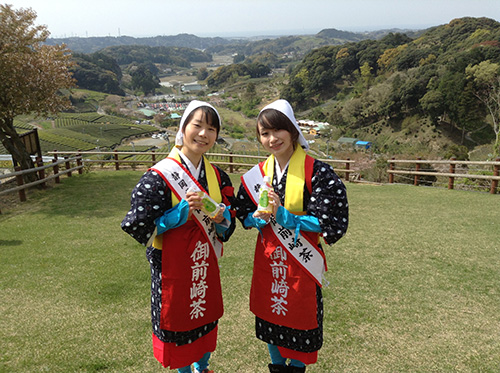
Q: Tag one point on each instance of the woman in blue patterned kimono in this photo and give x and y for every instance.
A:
(184, 244)
(309, 201)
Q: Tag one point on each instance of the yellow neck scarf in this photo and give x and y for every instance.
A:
(294, 191)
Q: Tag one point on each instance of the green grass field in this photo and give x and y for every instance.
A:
(414, 285)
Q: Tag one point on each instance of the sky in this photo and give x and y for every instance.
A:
(233, 18)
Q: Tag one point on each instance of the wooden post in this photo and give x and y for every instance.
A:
(153, 158)
(20, 182)
(68, 166)
(494, 183)
(347, 167)
(391, 175)
(231, 163)
(79, 161)
(417, 168)
(41, 173)
(55, 154)
(117, 165)
(56, 169)
(451, 180)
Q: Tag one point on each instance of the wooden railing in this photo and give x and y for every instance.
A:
(83, 158)
(42, 178)
(451, 175)
(228, 159)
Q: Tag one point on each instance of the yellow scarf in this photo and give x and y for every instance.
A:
(294, 191)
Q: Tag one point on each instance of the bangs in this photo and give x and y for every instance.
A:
(209, 115)
(274, 119)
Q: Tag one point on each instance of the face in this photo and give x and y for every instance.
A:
(276, 141)
(199, 136)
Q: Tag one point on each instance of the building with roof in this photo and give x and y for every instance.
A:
(191, 87)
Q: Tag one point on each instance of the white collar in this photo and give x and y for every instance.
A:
(280, 172)
(195, 171)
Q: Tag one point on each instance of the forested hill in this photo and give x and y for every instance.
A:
(432, 76)
(102, 71)
(175, 56)
(93, 44)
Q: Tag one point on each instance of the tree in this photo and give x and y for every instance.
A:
(366, 74)
(238, 58)
(486, 77)
(202, 73)
(32, 75)
(144, 79)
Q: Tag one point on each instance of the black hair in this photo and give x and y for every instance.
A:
(275, 119)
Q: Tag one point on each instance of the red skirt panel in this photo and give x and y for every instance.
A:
(305, 357)
(173, 356)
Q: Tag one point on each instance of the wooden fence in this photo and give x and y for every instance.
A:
(41, 175)
(451, 175)
(228, 159)
(113, 158)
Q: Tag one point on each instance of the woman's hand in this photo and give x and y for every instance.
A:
(274, 200)
(219, 218)
(194, 201)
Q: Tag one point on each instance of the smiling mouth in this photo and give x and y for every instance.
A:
(201, 142)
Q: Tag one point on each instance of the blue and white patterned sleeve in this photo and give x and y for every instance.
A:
(328, 202)
(150, 199)
(243, 206)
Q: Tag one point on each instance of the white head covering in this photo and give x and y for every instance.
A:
(284, 107)
(193, 105)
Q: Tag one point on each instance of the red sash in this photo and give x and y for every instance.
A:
(191, 290)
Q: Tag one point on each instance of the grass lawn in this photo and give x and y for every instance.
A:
(414, 285)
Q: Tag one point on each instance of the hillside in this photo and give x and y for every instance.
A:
(81, 131)
(406, 86)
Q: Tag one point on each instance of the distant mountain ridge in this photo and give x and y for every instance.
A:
(94, 44)
(326, 36)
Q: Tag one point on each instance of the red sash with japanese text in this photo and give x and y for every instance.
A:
(285, 273)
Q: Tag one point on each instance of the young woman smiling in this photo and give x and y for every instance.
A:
(309, 201)
(184, 244)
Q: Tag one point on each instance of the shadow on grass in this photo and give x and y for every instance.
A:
(92, 195)
(10, 242)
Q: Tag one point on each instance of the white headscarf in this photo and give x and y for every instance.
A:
(284, 107)
(193, 105)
